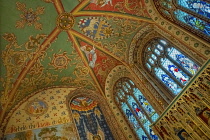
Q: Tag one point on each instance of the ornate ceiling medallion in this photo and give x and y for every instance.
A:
(65, 21)
(60, 61)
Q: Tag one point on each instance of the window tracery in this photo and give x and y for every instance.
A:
(138, 111)
(169, 65)
(193, 15)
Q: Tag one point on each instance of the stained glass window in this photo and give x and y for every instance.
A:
(138, 111)
(171, 67)
(193, 15)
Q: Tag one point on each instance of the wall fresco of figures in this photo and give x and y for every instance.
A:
(188, 117)
(57, 132)
(90, 120)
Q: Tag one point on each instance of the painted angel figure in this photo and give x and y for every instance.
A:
(90, 54)
(102, 3)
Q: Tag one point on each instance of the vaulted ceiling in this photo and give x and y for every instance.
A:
(75, 43)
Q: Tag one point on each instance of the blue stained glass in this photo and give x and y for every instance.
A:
(140, 114)
(127, 85)
(130, 117)
(157, 52)
(141, 134)
(151, 61)
(176, 72)
(155, 117)
(166, 4)
(193, 22)
(184, 61)
(144, 103)
(153, 136)
(166, 12)
(197, 6)
(125, 88)
(163, 41)
(159, 47)
(135, 108)
(146, 126)
(168, 81)
(154, 57)
(131, 82)
(148, 66)
(120, 95)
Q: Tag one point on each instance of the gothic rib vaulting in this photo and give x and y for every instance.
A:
(105, 69)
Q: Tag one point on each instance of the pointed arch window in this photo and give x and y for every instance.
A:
(137, 110)
(169, 65)
(193, 15)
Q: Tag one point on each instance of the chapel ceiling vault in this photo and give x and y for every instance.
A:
(76, 43)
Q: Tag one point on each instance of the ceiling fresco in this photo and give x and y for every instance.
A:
(74, 43)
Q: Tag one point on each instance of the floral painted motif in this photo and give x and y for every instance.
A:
(29, 16)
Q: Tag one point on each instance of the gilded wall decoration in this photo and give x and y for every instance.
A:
(81, 80)
(135, 7)
(15, 57)
(124, 27)
(29, 16)
(117, 48)
(188, 115)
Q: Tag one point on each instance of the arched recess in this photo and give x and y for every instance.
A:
(38, 113)
(116, 73)
(103, 109)
(136, 55)
(185, 37)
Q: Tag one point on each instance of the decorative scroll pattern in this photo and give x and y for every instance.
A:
(189, 116)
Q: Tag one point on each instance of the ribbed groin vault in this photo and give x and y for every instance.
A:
(104, 70)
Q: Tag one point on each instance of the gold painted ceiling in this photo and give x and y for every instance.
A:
(74, 43)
